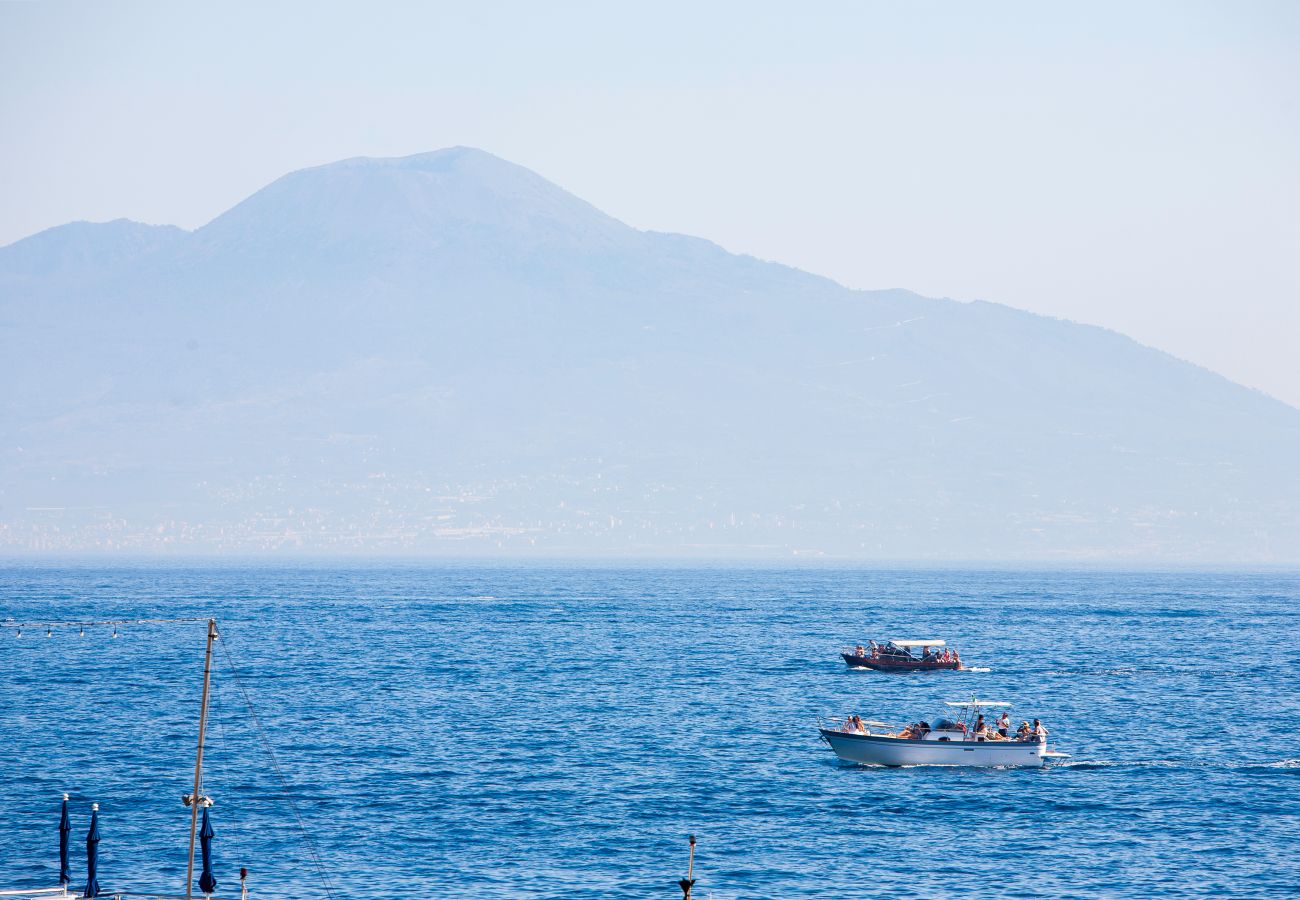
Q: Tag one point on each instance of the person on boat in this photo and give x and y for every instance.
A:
(1004, 725)
(925, 655)
(859, 650)
(1040, 733)
(980, 727)
(947, 656)
(1022, 733)
(956, 657)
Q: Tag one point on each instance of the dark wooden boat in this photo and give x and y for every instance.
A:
(892, 665)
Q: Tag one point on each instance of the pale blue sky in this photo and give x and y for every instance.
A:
(1130, 165)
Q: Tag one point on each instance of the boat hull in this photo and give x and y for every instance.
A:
(877, 750)
(882, 665)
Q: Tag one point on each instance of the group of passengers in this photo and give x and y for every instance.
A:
(915, 731)
(1001, 730)
(944, 656)
(981, 730)
(880, 651)
(890, 652)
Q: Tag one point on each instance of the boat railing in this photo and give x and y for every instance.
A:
(119, 894)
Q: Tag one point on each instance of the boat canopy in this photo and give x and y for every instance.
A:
(918, 643)
(961, 703)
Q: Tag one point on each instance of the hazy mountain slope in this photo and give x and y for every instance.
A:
(81, 249)
(448, 353)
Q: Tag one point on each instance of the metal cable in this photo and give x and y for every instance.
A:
(279, 773)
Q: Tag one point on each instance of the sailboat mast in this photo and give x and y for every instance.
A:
(198, 757)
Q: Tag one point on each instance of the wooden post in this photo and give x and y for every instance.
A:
(688, 882)
(198, 757)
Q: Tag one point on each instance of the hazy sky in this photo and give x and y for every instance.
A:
(1133, 165)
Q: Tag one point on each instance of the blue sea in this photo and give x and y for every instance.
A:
(555, 731)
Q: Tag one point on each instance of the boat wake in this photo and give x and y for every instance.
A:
(1280, 764)
(1137, 671)
(1091, 765)
(976, 669)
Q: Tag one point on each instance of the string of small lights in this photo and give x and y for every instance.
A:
(82, 624)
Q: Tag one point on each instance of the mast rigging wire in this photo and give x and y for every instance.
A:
(326, 884)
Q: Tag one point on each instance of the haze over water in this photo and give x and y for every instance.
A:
(514, 731)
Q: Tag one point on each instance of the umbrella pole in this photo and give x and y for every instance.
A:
(198, 758)
(65, 829)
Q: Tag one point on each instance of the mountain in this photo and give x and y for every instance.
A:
(85, 249)
(446, 353)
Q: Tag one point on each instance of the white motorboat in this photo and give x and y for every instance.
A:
(956, 739)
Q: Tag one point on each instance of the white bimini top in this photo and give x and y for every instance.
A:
(980, 703)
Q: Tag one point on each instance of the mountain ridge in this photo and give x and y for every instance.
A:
(114, 241)
(483, 334)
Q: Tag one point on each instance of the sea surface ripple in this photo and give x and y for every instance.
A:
(556, 731)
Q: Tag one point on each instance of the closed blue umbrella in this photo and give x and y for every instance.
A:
(207, 883)
(92, 854)
(65, 829)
